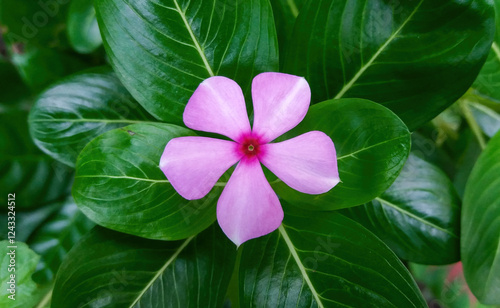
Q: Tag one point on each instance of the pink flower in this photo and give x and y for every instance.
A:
(248, 207)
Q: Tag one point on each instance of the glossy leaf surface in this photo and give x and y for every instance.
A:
(372, 145)
(110, 269)
(418, 217)
(162, 50)
(83, 31)
(414, 57)
(480, 241)
(323, 260)
(76, 110)
(119, 185)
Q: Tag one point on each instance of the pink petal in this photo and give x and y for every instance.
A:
(218, 106)
(307, 163)
(280, 102)
(248, 207)
(194, 164)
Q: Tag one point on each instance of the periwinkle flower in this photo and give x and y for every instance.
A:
(248, 207)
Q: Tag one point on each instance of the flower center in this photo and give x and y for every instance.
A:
(250, 146)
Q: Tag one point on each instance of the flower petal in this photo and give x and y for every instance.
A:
(280, 102)
(194, 164)
(307, 163)
(248, 207)
(218, 106)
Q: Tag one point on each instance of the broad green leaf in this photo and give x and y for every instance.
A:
(414, 57)
(486, 84)
(41, 66)
(487, 119)
(480, 240)
(110, 269)
(26, 291)
(285, 14)
(372, 145)
(162, 50)
(418, 217)
(466, 152)
(119, 185)
(34, 177)
(71, 113)
(55, 237)
(323, 260)
(83, 31)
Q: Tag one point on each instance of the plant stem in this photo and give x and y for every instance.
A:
(472, 123)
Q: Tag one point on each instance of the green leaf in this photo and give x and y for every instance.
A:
(480, 241)
(414, 57)
(34, 177)
(81, 107)
(119, 185)
(26, 290)
(83, 31)
(162, 50)
(110, 269)
(285, 14)
(418, 217)
(41, 66)
(372, 145)
(323, 260)
(486, 84)
(487, 119)
(55, 237)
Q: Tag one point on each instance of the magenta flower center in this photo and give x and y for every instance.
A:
(250, 146)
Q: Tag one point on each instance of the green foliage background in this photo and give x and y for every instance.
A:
(409, 91)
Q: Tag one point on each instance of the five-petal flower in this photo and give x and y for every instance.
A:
(248, 207)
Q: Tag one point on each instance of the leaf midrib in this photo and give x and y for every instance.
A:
(405, 212)
(162, 269)
(361, 71)
(302, 269)
(496, 49)
(193, 37)
(218, 184)
(369, 147)
(293, 8)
